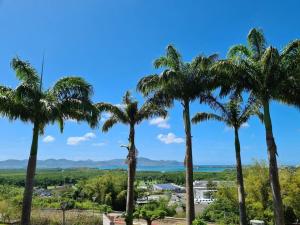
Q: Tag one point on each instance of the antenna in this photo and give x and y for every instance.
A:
(42, 72)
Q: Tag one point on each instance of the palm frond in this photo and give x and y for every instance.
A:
(148, 84)
(213, 103)
(291, 49)
(149, 110)
(251, 108)
(200, 117)
(256, 42)
(72, 87)
(238, 51)
(109, 123)
(162, 98)
(115, 110)
(172, 60)
(127, 98)
(12, 108)
(25, 72)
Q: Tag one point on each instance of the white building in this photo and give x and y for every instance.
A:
(203, 193)
(168, 187)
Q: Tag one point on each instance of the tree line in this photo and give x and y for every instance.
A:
(263, 72)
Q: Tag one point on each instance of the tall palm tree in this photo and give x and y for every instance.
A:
(68, 98)
(184, 82)
(129, 113)
(267, 74)
(234, 115)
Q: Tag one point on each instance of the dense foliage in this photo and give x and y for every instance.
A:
(51, 177)
(155, 210)
(224, 210)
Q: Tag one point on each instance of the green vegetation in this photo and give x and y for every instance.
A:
(263, 73)
(154, 210)
(224, 210)
(48, 178)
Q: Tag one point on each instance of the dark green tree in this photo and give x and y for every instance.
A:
(69, 98)
(184, 82)
(234, 115)
(268, 74)
(129, 114)
(154, 210)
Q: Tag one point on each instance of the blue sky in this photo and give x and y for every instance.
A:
(112, 44)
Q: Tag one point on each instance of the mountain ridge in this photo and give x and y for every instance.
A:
(66, 163)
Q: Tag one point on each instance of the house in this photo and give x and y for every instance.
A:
(168, 187)
(203, 191)
(42, 192)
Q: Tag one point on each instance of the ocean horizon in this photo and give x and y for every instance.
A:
(170, 168)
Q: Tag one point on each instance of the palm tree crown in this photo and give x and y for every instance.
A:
(129, 113)
(264, 71)
(180, 80)
(69, 98)
(232, 113)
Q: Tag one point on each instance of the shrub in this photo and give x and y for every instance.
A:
(198, 221)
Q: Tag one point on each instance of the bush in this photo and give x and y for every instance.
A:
(198, 221)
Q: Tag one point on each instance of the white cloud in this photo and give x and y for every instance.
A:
(48, 139)
(169, 138)
(99, 144)
(78, 140)
(245, 125)
(160, 122)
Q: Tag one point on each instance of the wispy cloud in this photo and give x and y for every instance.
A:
(48, 139)
(79, 139)
(170, 138)
(160, 122)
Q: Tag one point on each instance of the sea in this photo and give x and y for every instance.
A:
(210, 168)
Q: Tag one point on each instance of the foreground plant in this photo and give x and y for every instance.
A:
(267, 74)
(129, 114)
(69, 98)
(183, 82)
(234, 115)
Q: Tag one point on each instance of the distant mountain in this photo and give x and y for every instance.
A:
(65, 163)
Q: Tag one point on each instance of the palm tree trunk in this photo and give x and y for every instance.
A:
(273, 169)
(31, 167)
(190, 207)
(131, 177)
(240, 179)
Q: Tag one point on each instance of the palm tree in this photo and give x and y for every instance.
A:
(183, 82)
(234, 115)
(68, 98)
(129, 113)
(267, 74)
